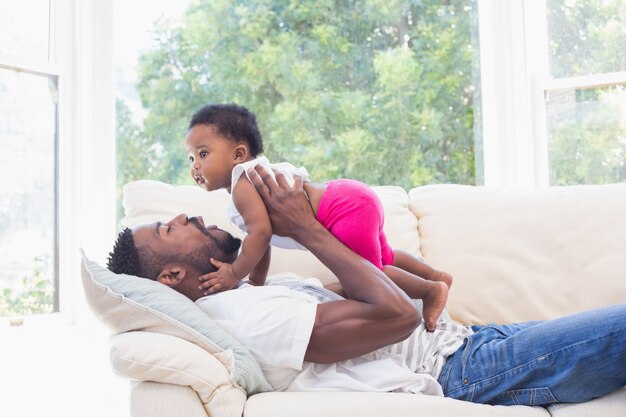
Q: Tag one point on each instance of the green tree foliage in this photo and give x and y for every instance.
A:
(34, 297)
(588, 143)
(586, 36)
(587, 128)
(138, 154)
(375, 90)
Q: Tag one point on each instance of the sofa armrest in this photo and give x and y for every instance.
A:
(148, 356)
(155, 399)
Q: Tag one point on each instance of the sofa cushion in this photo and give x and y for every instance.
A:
(148, 201)
(148, 356)
(525, 254)
(126, 303)
(156, 399)
(612, 405)
(376, 404)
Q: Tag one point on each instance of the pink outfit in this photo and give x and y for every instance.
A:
(353, 213)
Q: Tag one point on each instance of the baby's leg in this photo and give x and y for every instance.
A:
(434, 294)
(408, 262)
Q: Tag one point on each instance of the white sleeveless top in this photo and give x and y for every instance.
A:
(284, 168)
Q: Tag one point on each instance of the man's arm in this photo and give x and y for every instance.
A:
(377, 312)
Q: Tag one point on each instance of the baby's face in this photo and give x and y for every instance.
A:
(211, 157)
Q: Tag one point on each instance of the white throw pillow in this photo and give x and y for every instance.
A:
(125, 303)
(157, 357)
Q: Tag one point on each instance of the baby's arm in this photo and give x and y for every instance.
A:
(254, 256)
(259, 272)
(255, 245)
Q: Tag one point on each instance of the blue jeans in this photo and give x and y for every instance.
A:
(570, 359)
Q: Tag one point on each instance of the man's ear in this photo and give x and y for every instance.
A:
(240, 153)
(172, 275)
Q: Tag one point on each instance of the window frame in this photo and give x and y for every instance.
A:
(81, 60)
(514, 87)
(52, 71)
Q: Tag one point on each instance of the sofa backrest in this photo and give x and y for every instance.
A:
(525, 254)
(150, 201)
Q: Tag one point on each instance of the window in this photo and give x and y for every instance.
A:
(56, 195)
(25, 30)
(138, 30)
(384, 93)
(57, 165)
(28, 162)
(585, 97)
(587, 135)
(553, 75)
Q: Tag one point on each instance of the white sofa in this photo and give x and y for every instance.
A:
(515, 255)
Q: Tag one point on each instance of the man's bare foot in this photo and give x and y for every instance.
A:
(434, 303)
(442, 276)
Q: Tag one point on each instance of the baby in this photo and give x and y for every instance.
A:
(223, 142)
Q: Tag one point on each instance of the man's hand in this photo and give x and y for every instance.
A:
(288, 207)
(221, 280)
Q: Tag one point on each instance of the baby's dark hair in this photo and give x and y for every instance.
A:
(234, 122)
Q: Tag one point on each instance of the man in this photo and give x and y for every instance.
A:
(373, 341)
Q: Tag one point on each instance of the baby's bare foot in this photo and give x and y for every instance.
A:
(434, 304)
(443, 277)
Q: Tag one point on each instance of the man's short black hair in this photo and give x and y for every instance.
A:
(124, 259)
(145, 262)
(235, 123)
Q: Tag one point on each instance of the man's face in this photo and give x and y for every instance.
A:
(188, 237)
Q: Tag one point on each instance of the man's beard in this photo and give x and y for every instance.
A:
(229, 244)
(224, 249)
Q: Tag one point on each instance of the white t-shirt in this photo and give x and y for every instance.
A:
(275, 323)
(284, 168)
